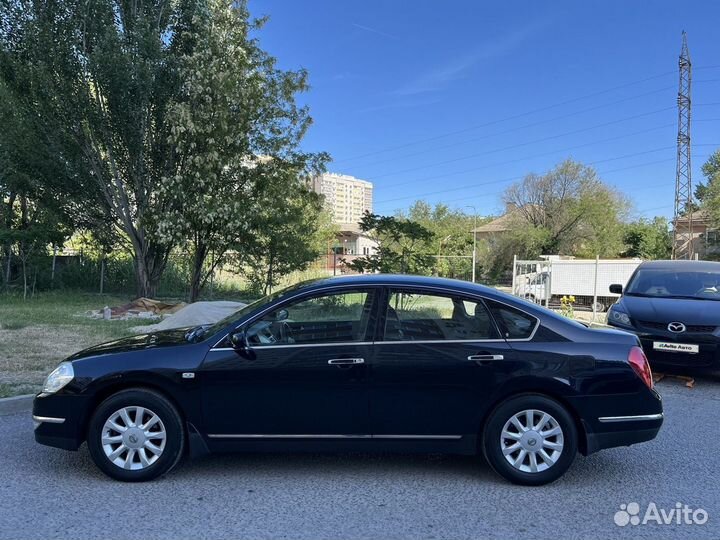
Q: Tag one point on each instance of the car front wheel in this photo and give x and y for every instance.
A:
(530, 440)
(136, 435)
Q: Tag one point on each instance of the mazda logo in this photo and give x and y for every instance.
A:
(133, 439)
(676, 327)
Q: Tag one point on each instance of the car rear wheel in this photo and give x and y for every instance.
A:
(136, 435)
(530, 440)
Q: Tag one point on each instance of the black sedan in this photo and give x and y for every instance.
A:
(362, 363)
(674, 308)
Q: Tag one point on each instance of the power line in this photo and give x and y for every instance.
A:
(465, 186)
(514, 117)
(525, 158)
(515, 178)
(525, 126)
(535, 141)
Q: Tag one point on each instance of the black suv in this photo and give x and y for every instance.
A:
(674, 308)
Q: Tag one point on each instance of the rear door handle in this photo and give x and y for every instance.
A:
(482, 357)
(345, 361)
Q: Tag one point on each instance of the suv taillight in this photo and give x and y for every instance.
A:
(640, 364)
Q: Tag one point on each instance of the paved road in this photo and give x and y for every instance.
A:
(48, 493)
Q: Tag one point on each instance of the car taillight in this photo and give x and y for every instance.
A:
(640, 364)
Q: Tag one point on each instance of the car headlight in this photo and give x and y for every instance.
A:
(58, 378)
(620, 317)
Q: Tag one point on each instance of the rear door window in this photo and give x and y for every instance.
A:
(422, 316)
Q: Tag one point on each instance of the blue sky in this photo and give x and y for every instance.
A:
(453, 101)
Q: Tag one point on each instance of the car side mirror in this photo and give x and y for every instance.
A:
(281, 315)
(239, 341)
(616, 288)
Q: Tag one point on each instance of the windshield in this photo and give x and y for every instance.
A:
(658, 283)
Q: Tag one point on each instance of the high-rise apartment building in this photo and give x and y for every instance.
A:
(346, 197)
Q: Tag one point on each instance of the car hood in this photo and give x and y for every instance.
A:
(664, 310)
(164, 338)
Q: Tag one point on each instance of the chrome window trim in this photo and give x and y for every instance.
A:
(430, 341)
(631, 418)
(471, 295)
(395, 285)
(288, 345)
(48, 419)
(325, 436)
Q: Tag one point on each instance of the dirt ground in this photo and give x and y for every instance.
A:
(35, 335)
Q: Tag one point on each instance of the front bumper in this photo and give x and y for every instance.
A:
(60, 420)
(706, 359)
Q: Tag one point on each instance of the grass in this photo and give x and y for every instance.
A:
(38, 333)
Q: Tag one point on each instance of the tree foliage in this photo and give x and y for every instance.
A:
(648, 239)
(164, 116)
(572, 209)
(237, 127)
(452, 239)
(709, 193)
(403, 246)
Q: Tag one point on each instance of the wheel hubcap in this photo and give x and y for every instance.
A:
(133, 438)
(532, 441)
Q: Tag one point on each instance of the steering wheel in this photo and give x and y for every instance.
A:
(262, 332)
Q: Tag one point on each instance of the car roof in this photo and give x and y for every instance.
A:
(688, 266)
(398, 280)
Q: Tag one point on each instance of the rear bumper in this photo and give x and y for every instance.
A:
(59, 420)
(612, 420)
(630, 430)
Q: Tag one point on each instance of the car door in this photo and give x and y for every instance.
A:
(435, 364)
(304, 372)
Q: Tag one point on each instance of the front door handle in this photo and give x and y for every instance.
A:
(345, 361)
(484, 357)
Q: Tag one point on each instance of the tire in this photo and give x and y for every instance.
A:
(151, 455)
(560, 447)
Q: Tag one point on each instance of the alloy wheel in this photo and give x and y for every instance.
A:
(532, 441)
(133, 437)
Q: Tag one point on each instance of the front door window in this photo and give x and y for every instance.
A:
(331, 318)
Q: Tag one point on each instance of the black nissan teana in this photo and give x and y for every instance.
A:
(674, 308)
(379, 362)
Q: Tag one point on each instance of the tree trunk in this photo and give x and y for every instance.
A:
(147, 277)
(196, 281)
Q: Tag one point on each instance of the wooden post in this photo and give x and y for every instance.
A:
(52, 272)
(102, 273)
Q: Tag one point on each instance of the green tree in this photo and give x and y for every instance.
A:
(101, 75)
(574, 211)
(403, 246)
(283, 238)
(709, 193)
(452, 240)
(239, 128)
(648, 239)
(711, 172)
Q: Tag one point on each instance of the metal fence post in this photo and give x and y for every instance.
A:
(594, 306)
(513, 274)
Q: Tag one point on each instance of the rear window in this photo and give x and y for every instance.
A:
(514, 324)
